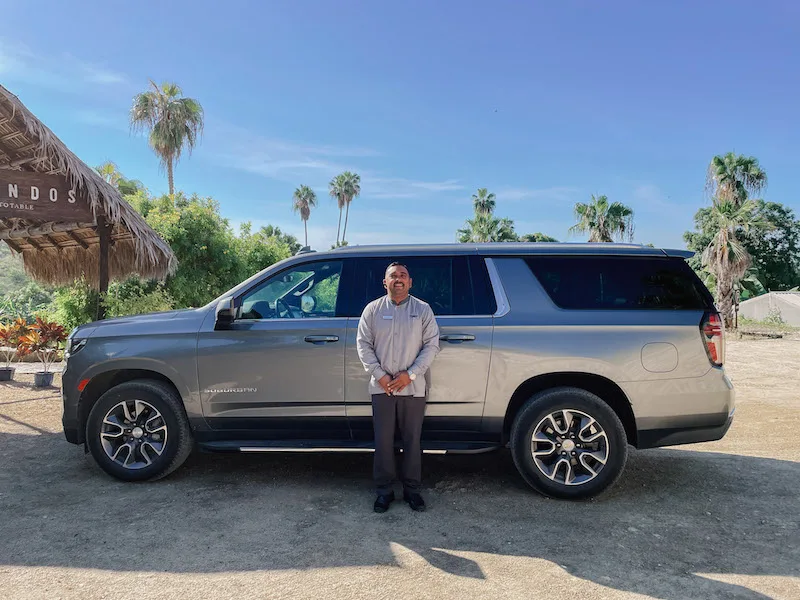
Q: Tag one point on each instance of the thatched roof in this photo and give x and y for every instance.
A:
(56, 252)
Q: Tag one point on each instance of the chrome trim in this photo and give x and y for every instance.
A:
(500, 297)
(289, 449)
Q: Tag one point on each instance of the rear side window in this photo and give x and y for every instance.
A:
(620, 283)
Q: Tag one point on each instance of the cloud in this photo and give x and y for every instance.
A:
(313, 164)
(63, 72)
(555, 193)
(275, 158)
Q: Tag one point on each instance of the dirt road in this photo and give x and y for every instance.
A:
(718, 520)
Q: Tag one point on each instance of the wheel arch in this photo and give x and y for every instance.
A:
(608, 391)
(101, 382)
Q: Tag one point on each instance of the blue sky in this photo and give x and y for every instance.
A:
(544, 103)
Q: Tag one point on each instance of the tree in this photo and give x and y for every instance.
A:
(344, 188)
(203, 243)
(772, 241)
(487, 228)
(303, 201)
(483, 202)
(734, 178)
(536, 237)
(725, 257)
(111, 173)
(603, 220)
(173, 123)
(264, 248)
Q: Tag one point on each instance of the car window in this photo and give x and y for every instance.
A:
(442, 282)
(627, 283)
(306, 291)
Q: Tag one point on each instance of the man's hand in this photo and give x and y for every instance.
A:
(399, 383)
(384, 383)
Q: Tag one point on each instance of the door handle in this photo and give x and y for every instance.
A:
(457, 338)
(321, 339)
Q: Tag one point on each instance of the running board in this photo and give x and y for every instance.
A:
(328, 446)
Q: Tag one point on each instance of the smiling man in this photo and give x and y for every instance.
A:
(397, 340)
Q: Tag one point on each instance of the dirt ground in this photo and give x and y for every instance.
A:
(716, 520)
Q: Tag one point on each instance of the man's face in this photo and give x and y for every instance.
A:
(397, 281)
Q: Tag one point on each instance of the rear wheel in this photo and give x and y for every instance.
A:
(568, 443)
(138, 431)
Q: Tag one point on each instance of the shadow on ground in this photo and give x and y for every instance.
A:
(674, 514)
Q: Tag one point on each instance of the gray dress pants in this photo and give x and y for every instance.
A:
(406, 413)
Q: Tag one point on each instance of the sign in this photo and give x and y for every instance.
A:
(41, 197)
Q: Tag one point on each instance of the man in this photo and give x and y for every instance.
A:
(397, 340)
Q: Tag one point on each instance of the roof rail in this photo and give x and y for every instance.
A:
(304, 250)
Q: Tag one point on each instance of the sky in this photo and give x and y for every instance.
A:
(544, 103)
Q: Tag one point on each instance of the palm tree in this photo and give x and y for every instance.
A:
(536, 237)
(173, 122)
(735, 178)
(487, 228)
(110, 172)
(725, 257)
(483, 202)
(603, 220)
(344, 187)
(303, 201)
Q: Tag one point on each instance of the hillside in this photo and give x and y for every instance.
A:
(12, 274)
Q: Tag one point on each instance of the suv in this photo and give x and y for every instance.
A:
(565, 353)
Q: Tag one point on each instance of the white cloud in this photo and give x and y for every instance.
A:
(555, 193)
(313, 164)
(63, 72)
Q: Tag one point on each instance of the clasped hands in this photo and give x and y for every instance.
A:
(392, 385)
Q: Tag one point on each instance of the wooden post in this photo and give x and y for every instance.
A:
(103, 232)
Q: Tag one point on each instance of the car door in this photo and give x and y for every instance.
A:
(458, 377)
(277, 371)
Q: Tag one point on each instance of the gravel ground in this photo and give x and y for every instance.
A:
(716, 520)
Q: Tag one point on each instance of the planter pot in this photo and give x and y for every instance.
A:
(42, 379)
(6, 373)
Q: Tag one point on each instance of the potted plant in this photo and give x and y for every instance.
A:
(44, 339)
(10, 334)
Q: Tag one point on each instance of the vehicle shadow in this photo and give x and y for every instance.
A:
(675, 514)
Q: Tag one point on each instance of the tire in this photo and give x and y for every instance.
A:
(581, 407)
(169, 431)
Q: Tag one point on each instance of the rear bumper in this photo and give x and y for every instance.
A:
(674, 436)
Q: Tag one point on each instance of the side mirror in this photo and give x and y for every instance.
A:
(225, 314)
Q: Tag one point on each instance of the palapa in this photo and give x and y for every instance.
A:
(60, 251)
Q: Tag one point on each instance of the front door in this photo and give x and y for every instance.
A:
(278, 372)
(458, 377)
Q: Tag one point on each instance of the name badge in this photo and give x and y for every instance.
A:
(388, 317)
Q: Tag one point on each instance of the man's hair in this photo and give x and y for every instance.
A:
(397, 264)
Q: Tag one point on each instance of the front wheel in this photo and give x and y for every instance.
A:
(568, 443)
(138, 431)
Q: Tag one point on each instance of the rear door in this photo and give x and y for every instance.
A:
(458, 377)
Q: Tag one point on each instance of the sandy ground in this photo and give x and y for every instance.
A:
(717, 520)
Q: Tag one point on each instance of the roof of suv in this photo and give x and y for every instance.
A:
(512, 248)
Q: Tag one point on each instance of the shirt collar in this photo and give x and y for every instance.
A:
(401, 303)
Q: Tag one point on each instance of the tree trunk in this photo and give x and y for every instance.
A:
(339, 228)
(725, 300)
(346, 215)
(305, 226)
(170, 178)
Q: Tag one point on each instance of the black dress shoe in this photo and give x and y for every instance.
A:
(383, 501)
(414, 500)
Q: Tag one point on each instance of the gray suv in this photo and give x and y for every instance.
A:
(565, 353)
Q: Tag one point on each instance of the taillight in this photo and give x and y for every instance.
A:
(712, 330)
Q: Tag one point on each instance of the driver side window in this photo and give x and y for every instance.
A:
(306, 291)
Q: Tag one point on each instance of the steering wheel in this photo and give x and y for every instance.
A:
(283, 310)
